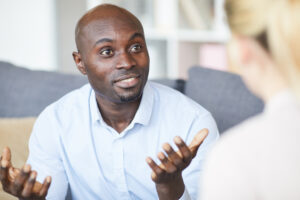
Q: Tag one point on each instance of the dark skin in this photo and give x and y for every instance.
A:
(168, 174)
(21, 182)
(125, 45)
(112, 53)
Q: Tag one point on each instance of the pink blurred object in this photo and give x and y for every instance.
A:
(213, 56)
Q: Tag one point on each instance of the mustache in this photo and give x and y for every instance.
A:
(125, 73)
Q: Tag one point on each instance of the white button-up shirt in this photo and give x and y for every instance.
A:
(72, 143)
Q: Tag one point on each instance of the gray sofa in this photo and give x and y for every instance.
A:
(26, 93)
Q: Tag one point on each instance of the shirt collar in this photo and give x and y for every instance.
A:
(95, 113)
(142, 115)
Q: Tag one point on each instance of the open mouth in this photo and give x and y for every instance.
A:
(127, 81)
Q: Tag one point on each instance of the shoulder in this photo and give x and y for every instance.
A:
(169, 98)
(241, 135)
(243, 142)
(72, 102)
(180, 113)
(76, 97)
(61, 115)
(275, 125)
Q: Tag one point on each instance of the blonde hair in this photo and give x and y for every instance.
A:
(276, 25)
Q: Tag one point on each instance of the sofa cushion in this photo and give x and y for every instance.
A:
(177, 84)
(26, 93)
(15, 133)
(223, 94)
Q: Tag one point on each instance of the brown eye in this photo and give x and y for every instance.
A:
(136, 48)
(106, 52)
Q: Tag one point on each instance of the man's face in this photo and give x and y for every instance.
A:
(115, 58)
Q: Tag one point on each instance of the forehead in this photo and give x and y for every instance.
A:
(110, 27)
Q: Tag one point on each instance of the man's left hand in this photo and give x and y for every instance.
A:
(168, 175)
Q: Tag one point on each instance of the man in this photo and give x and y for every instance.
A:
(95, 140)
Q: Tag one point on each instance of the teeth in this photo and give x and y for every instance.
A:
(127, 80)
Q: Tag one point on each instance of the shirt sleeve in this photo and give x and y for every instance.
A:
(44, 155)
(193, 172)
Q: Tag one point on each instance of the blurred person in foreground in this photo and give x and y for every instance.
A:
(260, 158)
(99, 140)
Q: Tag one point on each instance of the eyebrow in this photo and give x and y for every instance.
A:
(103, 40)
(136, 35)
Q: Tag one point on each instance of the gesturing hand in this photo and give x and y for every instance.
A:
(168, 175)
(21, 182)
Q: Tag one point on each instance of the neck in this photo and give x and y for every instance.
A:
(271, 92)
(271, 84)
(117, 115)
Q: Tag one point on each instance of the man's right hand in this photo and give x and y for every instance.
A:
(21, 182)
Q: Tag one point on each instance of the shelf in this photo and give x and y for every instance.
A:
(203, 36)
(179, 32)
(188, 35)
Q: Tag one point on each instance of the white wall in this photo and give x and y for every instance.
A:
(68, 12)
(28, 33)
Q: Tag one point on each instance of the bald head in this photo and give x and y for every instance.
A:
(104, 12)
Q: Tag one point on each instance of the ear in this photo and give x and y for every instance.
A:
(252, 52)
(78, 60)
(239, 54)
(245, 52)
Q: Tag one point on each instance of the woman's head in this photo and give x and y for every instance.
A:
(275, 26)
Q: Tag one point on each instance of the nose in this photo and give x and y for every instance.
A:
(125, 61)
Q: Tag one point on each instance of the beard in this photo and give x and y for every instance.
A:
(130, 97)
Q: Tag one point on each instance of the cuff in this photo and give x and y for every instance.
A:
(185, 195)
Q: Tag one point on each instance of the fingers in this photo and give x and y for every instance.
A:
(34, 188)
(4, 173)
(44, 190)
(5, 164)
(183, 149)
(197, 141)
(28, 186)
(173, 156)
(20, 179)
(157, 171)
(13, 173)
(21, 183)
(176, 161)
(6, 155)
(166, 164)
